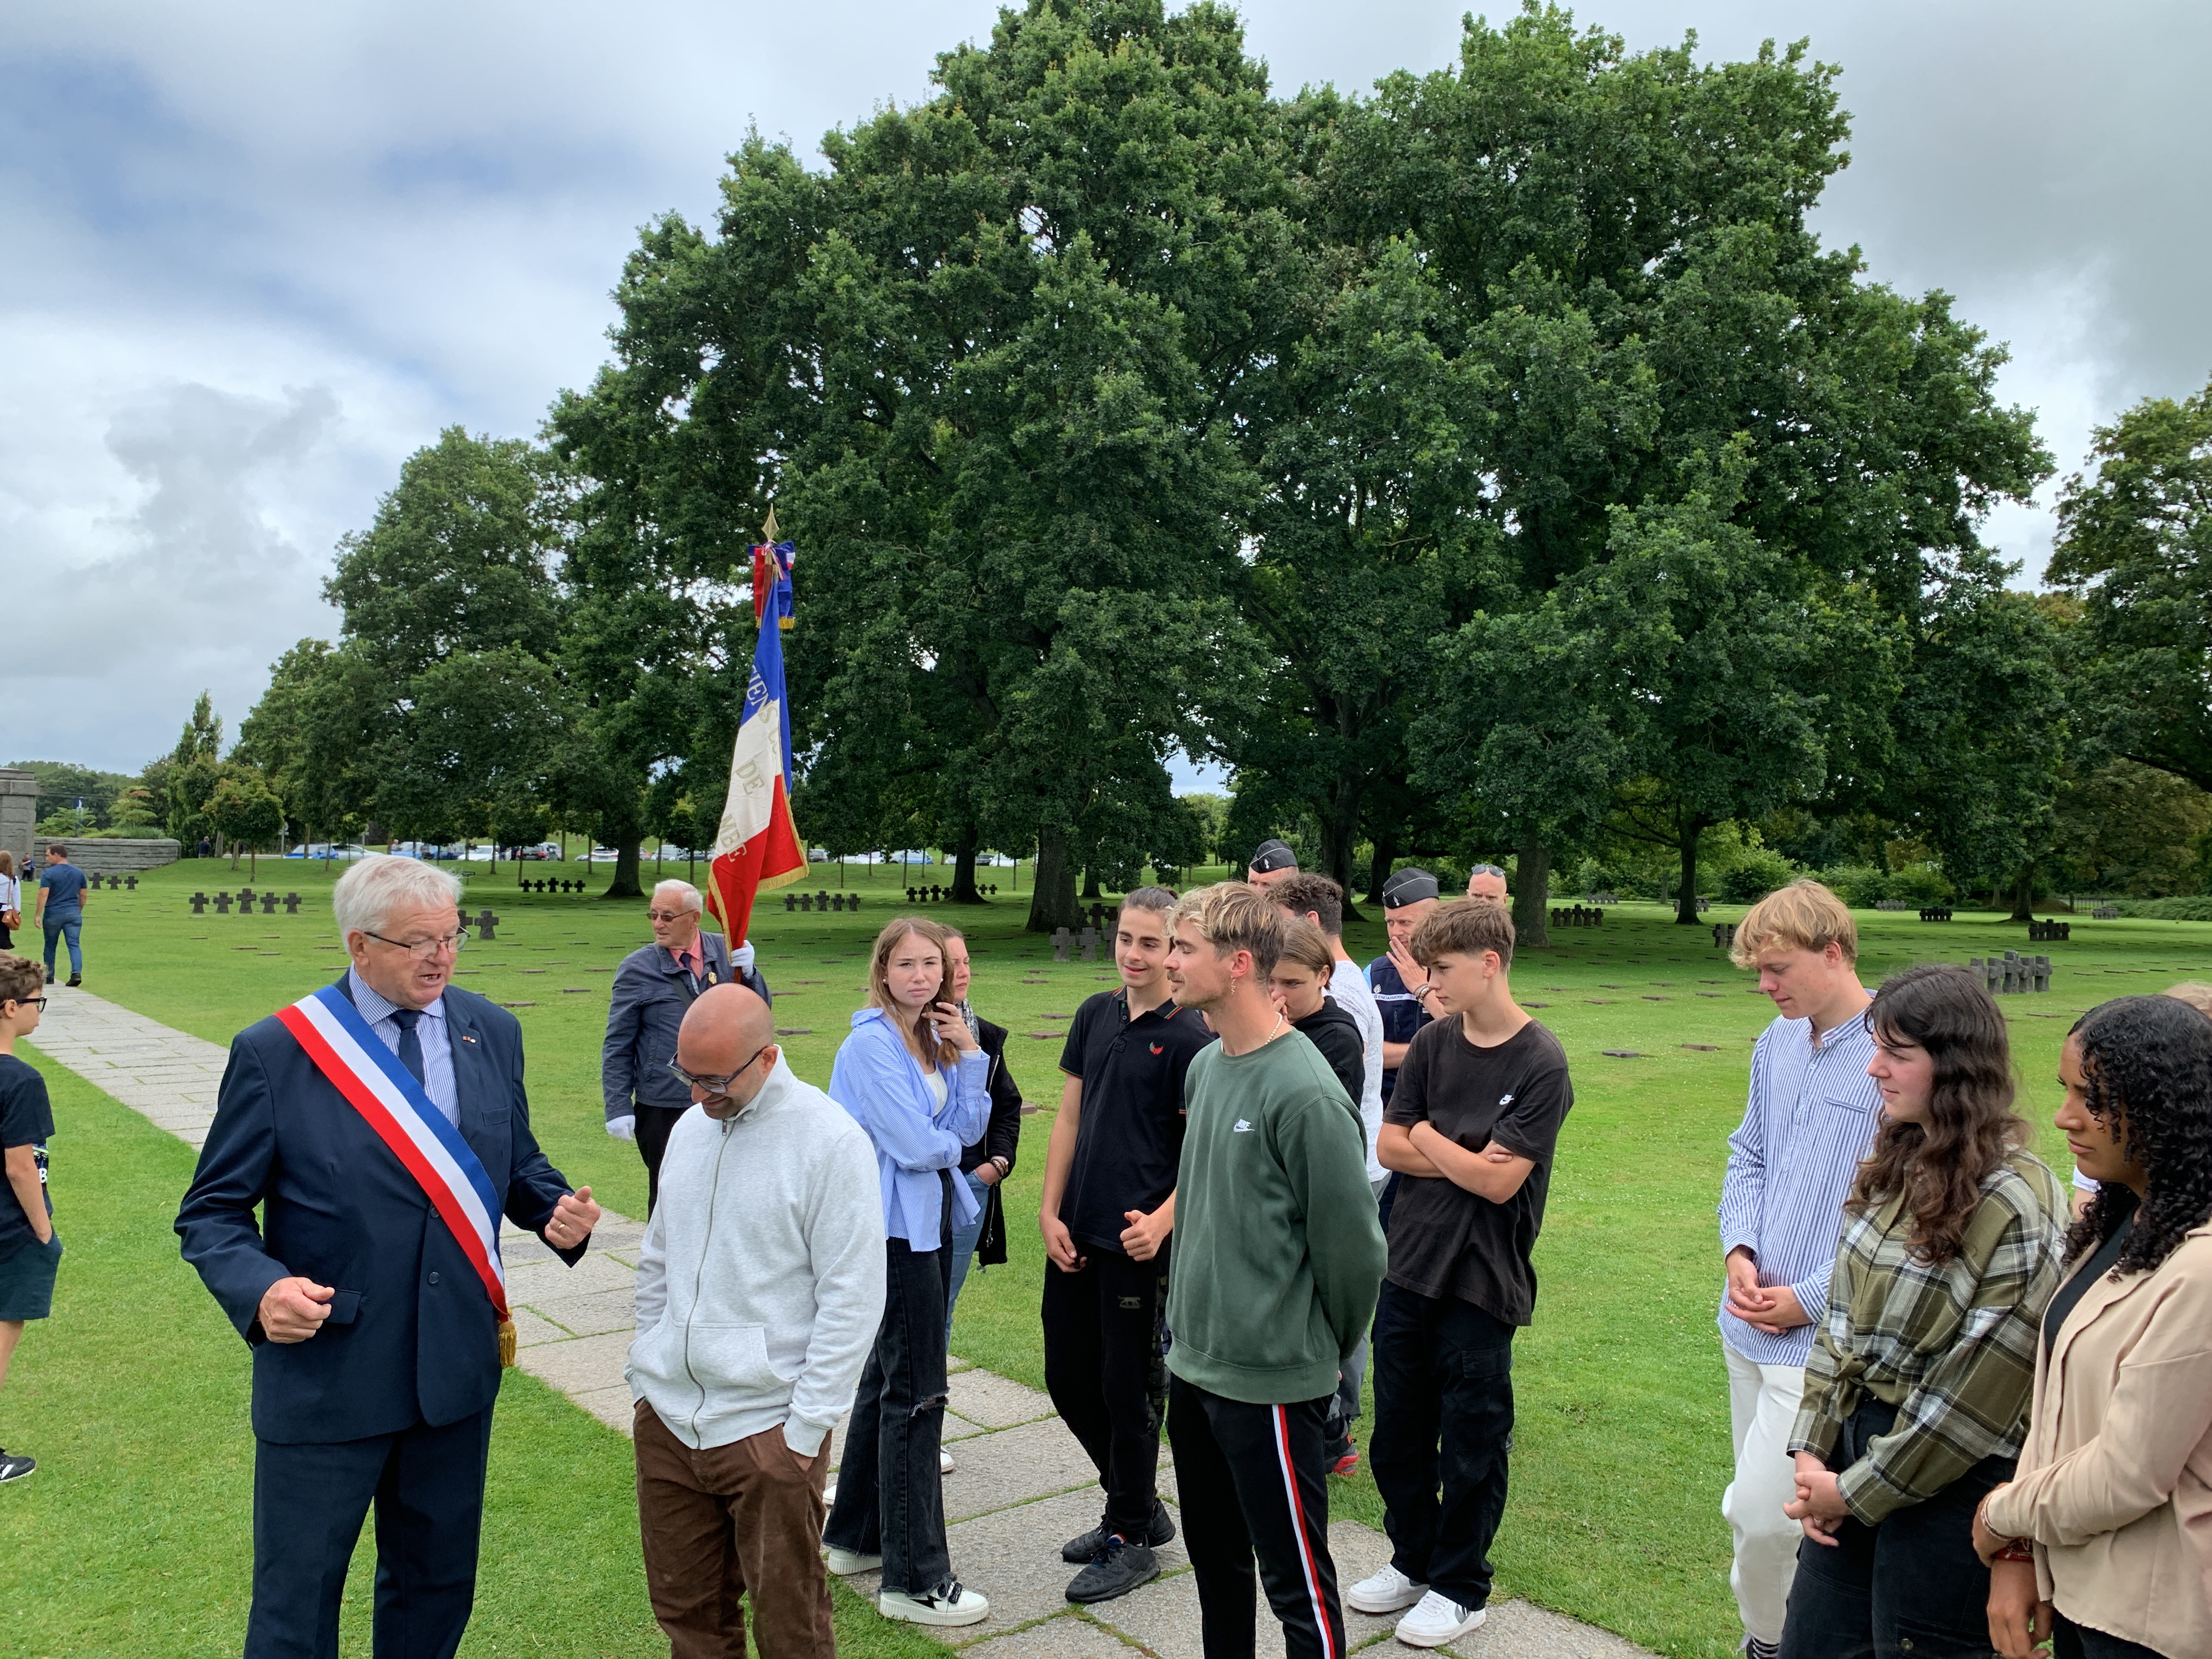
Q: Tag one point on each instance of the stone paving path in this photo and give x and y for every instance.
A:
(1021, 1485)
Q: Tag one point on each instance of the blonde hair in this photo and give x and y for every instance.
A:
(942, 1051)
(1802, 916)
(1308, 946)
(2194, 992)
(1232, 916)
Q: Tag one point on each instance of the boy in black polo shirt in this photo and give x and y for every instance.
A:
(1108, 1208)
(1471, 1130)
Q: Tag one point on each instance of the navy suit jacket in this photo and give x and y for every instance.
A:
(411, 1336)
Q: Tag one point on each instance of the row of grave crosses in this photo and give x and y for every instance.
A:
(199, 902)
(94, 882)
(1062, 941)
(812, 901)
(938, 894)
(545, 885)
(1578, 915)
(2013, 973)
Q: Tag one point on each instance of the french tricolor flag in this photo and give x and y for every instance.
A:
(757, 848)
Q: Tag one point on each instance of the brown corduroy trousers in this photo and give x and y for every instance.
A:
(730, 1522)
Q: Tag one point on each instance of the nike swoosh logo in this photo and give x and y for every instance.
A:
(1240, 1128)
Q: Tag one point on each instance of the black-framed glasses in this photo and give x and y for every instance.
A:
(39, 1003)
(668, 915)
(423, 950)
(718, 1085)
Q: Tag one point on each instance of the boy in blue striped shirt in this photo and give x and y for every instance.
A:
(1811, 1116)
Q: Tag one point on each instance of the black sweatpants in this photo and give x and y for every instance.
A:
(1251, 1485)
(1444, 1427)
(1102, 1348)
(1910, 1587)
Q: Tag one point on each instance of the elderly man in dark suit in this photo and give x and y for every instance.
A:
(373, 1310)
(654, 989)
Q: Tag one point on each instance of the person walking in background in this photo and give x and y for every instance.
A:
(1319, 900)
(327, 1230)
(654, 987)
(985, 1164)
(1278, 1256)
(1107, 1216)
(912, 1074)
(11, 901)
(2112, 1497)
(61, 909)
(1808, 1120)
(30, 1248)
(1273, 861)
(1473, 1132)
(1917, 1387)
(760, 1288)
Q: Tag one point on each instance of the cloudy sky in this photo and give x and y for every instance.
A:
(257, 254)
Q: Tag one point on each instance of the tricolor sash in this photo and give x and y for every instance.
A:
(393, 1104)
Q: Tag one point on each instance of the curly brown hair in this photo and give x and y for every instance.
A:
(2147, 1060)
(1939, 1166)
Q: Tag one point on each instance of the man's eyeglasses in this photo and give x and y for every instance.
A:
(426, 950)
(718, 1086)
(667, 915)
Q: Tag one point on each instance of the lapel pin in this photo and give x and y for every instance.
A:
(465, 1037)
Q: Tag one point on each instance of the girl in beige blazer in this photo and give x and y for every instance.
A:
(2113, 1498)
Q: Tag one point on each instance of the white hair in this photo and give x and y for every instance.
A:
(690, 894)
(367, 894)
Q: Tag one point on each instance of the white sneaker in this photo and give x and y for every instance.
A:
(1387, 1591)
(846, 1563)
(949, 1603)
(944, 1460)
(1438, 1619)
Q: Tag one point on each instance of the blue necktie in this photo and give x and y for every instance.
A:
(411, 1043)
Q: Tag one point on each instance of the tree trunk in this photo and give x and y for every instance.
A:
(1685, 900)
(625, 884)
(1052, 896)
(963, 869)
(1378, 869)
(1090, 882)
(1531, 894)
(2023, 894)
(1340, 834)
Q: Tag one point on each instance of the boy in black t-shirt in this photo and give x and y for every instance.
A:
(29, 1248)
(1471, 1128)
(1108, 1208)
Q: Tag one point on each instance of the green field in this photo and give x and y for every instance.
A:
(134, 1536)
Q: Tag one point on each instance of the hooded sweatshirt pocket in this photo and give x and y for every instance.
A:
(733, 1358)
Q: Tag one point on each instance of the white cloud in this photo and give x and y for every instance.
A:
(257, 254)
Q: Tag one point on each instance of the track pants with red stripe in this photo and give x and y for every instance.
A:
(1250, 1483)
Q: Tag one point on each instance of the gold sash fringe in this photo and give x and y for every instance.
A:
(506, 1342)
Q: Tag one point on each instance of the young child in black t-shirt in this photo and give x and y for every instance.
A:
(29, 1247)
(1471, 1128)
(1299, 985)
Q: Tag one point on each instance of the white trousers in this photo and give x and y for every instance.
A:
(1762, 1406)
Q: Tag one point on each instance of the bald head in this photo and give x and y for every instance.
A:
(728, 1033)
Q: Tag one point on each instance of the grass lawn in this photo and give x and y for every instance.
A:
(1622, 1443)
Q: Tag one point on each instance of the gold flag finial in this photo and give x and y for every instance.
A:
(770, 534)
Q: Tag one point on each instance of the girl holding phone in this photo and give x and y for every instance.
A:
(912, 1075)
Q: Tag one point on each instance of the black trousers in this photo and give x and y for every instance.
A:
(654, 1126)
(1443, 1436)
(1251, 1485)
(1909, 1587)
(2073, 1641)
(890, 1495)
(1102, 1350)
(309, 1501)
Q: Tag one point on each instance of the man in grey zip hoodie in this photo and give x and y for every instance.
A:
(759, 1289)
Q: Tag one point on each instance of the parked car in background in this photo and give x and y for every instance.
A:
(912, 855)
(423, 849)
(321, 849)
(603, 855)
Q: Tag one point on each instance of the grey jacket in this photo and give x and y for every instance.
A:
(759, 1283)
(651, 996)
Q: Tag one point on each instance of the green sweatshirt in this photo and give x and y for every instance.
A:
(1279, 1255)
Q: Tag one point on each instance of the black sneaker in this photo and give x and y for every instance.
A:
(1118, 1568)
(76, 979)
(1076, 1550)
(13, 1467)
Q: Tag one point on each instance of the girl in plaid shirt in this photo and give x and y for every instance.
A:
(1917, 1390)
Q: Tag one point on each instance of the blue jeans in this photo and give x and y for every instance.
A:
(63, 921)
(964, 1246)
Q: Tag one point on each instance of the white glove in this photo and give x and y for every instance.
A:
(622, 1128)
